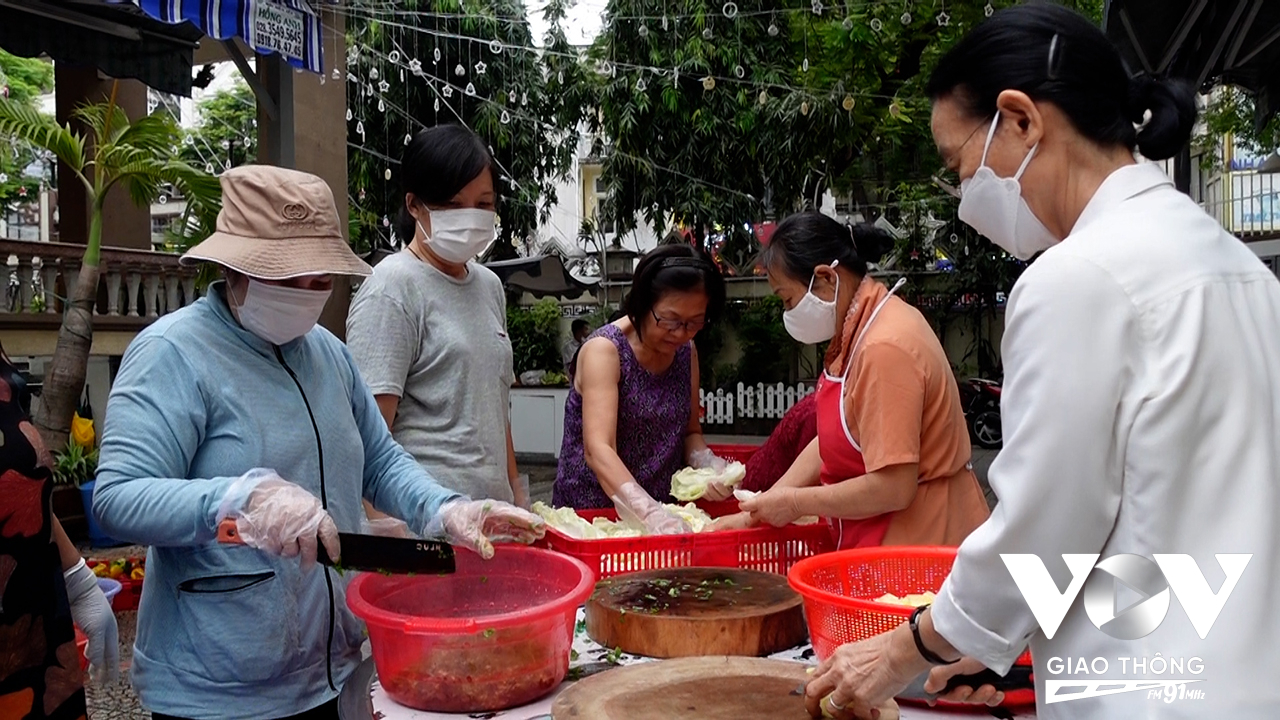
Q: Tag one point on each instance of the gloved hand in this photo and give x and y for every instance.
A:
(478, 524)
(705, 459)
(279, 517)
(634, 501)
(386, 527)
(92, 612)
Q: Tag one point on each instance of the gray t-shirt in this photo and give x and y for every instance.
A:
(441, 345)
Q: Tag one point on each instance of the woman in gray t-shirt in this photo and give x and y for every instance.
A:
(429, 329)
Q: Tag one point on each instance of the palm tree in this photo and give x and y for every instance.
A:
(141, 155)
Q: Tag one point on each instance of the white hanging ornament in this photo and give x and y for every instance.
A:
(373, 73)
(730, 9)
(643, 31)
(740, 71)
(360, 128)
(394, 56)
(848, 103)
(471, 89)
(401, 75)
(664, 22)
(436, 54)
(481, 68)
(459, 71)
(348, 114)
(848, 24)
(408, 138)
(4, 177)
(506, 117)
(511, 97)
(817, 7)
(943, 19)
(906, 18)
(708, 83)
(226, 145)
(560, 77)
(208, 167)
(773, 30)
(640, 86)
(764, 97)
(448, 91)
(988, 10)
(707, 34)
(337, 74)
(415, 66)
(436, 105)
(804, 66)
(387, 175)
(876, 25)
(804, 108)
(524, 99)
(382, 106)
(495, 46)
(383, 86)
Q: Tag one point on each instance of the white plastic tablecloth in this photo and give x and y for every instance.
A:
(587, 651)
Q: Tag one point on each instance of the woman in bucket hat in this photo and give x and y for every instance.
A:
(241, 407)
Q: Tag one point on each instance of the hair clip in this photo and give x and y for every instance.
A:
(683, 262)
(1054, 59)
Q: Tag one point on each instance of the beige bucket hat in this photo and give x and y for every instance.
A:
(277, 224)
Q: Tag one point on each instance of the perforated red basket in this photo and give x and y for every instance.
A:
(767, 549)
(839, 591)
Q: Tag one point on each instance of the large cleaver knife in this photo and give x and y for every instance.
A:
(373, 553)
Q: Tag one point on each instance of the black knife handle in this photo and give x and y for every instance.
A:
(1020, 677)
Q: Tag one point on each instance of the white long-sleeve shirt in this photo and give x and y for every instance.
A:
(1141, 412)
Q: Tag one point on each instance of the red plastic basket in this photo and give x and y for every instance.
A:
(739, 453)
(839, 591)
(766, 549)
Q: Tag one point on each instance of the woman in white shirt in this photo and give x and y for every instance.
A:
(1141, 403)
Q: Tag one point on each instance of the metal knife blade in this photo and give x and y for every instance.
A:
(373, 553)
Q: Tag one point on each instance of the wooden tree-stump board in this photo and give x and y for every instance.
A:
(685, 612)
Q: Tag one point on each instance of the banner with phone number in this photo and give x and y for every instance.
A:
(289, 28)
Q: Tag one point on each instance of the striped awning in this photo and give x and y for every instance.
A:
(290, 28)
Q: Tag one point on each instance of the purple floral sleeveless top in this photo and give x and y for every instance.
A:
(653, 415)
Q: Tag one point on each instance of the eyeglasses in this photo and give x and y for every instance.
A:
(949, 188)
(673, 325)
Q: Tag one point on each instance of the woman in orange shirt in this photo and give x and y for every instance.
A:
(890, 465)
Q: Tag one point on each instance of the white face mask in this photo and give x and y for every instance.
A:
(994, 206)
(460, 235)
(813, 320)
(280, 314)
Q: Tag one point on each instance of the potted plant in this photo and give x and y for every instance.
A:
(77, 465)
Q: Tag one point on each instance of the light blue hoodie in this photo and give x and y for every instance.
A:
(228, 631)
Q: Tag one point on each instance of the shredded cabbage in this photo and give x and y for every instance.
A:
(691, 483)
(568, 522)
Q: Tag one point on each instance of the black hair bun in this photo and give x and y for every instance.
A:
(1173, 114)
(870, 241)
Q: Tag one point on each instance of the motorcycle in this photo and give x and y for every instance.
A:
(981, 402)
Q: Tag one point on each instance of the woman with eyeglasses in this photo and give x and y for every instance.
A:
(890, 463)
(631, 420)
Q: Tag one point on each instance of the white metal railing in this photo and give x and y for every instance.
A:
(759, 401)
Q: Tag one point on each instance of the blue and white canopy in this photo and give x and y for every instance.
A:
(290, 28)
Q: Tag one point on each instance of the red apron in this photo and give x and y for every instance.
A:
(841, 454)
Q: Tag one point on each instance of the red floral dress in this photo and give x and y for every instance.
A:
(40, 674)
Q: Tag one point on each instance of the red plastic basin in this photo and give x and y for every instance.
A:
(495, 635)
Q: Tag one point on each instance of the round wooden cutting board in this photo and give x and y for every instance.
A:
(685, 612)
(705, 688)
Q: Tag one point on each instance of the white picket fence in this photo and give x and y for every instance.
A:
(760, 401)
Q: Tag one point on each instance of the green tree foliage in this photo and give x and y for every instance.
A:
(227, 132)
(23, 81)
(403, 76)
(535, 336)
(1231, 113)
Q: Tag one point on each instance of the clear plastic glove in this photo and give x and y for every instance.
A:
(279, 517)
(386, 527)
(478, 524)
(92, 612)
(656, 519)
(705, 459)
